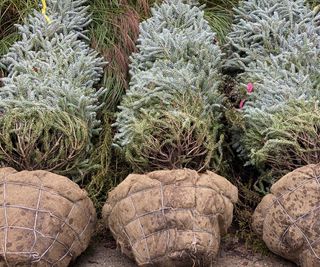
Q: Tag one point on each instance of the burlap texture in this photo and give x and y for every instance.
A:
(288, 219)
(171, 218)
(45, 219)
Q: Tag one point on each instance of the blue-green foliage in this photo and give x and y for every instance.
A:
(51, 66)
(177, 57)
(264, 27)
(51, 72)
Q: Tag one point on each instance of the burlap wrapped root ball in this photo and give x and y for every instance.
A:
(171, 218)
(45, 219)
(288, 219)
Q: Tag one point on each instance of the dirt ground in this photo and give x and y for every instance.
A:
(103, 253)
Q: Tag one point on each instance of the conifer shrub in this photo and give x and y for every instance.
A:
(48, 95)
(170, 117)
(279, 120)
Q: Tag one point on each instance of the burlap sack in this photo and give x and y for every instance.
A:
(288, 219)
(45, 219)
(171, 218)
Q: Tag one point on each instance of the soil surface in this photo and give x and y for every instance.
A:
(103, 253)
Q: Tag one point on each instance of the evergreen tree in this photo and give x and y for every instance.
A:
(281, 114)
(48, 101)
(170, 116)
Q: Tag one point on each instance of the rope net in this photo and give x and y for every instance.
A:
(171, 216)
(45, 219)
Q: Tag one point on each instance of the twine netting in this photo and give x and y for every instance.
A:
(288, 219)
(45, 219)
(170, 216)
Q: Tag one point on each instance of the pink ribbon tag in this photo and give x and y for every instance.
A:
(250, 88)
(242, 103)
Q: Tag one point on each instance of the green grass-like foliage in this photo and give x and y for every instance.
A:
(219, 14)
(113, 32)
(12, 12)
